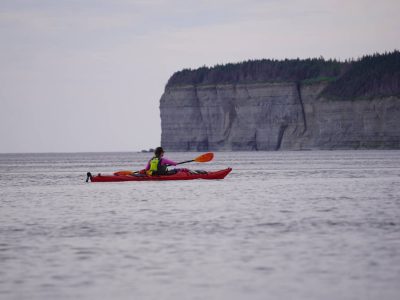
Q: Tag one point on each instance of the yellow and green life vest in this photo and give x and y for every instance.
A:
(154, 164)
(155, 167)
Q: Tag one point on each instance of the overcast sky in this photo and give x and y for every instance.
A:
(87, 75)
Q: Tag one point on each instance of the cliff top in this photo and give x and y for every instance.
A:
(265, 70)
(369, 76)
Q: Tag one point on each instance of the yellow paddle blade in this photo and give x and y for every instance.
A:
(120, 173)
(204, 157)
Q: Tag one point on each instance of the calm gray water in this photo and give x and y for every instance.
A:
(282, 225)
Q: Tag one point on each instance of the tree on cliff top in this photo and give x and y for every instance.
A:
(370, 76)
(265, 70)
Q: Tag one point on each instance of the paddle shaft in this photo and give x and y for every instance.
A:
(183, 162)
(202, 158)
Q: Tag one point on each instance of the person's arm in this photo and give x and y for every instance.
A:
(147, 166)
(165, 161)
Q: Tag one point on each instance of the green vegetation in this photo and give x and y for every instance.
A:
(265, 70)
(370, 76)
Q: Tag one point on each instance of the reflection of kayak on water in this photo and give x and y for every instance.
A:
(180, 175)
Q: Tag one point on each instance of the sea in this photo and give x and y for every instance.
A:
(302, 225)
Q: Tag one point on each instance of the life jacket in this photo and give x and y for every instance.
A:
(155, 167)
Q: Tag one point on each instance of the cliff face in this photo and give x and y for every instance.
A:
(273, 116)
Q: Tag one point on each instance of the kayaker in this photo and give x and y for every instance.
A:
(158, 164)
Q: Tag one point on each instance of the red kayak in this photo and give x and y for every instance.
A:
(183, 175)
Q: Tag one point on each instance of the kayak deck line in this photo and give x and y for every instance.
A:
(183, 175)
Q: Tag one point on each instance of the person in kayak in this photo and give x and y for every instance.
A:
(158, 164)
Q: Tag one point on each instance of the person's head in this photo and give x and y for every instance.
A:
(159, 152)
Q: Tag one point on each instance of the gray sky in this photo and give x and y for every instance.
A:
(87, 75)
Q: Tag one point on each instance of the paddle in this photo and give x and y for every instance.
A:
(202, 158)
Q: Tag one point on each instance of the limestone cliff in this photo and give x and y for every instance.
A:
(273, 116)
(200, 113)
